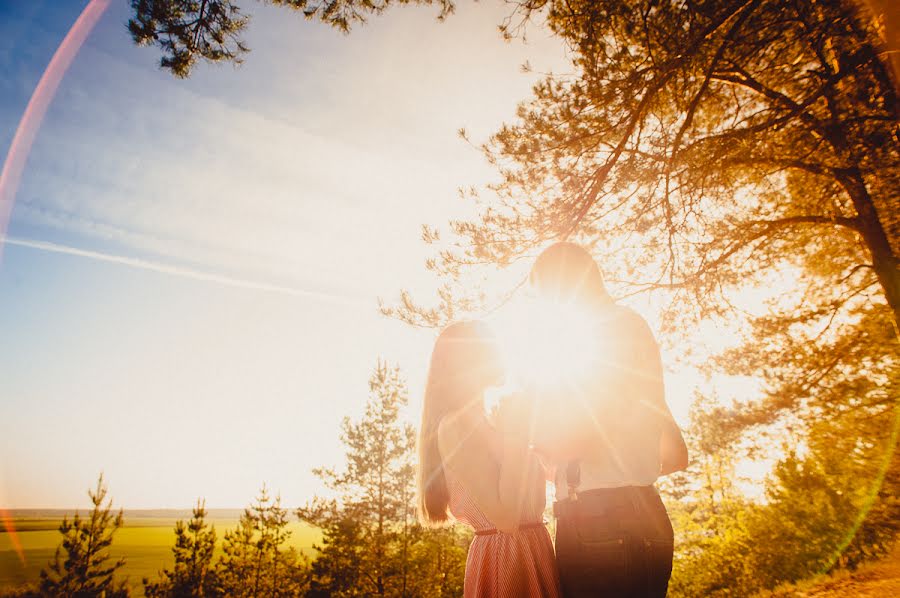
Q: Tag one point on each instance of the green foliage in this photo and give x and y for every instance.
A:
(713, 543)
(81, 567)
(192, 574)
(697, 148)
(831, 503)
(832, 500)
(438, 560)
(372, 544)
(190, 30)
(255, 560)
(338, 569)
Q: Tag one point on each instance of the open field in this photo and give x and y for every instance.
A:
(145, 542)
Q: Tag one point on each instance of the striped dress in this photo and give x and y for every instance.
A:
(503, 565)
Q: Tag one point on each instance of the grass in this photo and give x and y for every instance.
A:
(145, 541)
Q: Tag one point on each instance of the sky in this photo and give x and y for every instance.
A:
(189, 284)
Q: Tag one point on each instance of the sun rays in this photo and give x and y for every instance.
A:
(545, 343)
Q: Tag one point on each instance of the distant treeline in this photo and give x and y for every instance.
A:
(372, 544)
(130, 514)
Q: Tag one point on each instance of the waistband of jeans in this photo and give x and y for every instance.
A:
(490, 531)
(602, 497)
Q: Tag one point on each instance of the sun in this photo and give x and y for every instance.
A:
(545, 343)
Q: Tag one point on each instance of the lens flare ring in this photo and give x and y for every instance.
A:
(37, 106)
(21, 144)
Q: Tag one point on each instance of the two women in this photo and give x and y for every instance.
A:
(606, 441)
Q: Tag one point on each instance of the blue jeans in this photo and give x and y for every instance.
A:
(614, 542)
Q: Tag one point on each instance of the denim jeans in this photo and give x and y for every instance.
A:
(614, 542)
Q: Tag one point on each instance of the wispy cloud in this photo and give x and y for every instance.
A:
(293, 169)
(223, 186)
(183, 272)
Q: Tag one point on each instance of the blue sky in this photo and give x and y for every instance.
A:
(310, 168)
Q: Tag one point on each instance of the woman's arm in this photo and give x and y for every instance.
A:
(673, 453)
(516, 474)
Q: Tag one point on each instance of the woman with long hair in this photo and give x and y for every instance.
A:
(482, 473)
(611, 434)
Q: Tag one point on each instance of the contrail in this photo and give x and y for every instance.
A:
(184, 272)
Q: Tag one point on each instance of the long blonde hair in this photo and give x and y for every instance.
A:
(463, 362)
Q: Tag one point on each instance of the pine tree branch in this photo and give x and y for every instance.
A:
(599, 178)
(768, 228)
(744, 79)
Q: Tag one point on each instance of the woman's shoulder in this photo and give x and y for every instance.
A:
(623, 326)
(460, 441)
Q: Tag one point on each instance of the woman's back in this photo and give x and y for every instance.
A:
(465, 510)
(609, 418)
(628, 416)
(509, 565)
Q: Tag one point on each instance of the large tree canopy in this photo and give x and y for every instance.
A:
(699, 144)
(703, 149)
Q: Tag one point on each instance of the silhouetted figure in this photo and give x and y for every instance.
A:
(610, 434)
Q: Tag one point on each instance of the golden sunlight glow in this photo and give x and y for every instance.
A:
(547, 343)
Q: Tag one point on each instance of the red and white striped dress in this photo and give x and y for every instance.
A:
(501, 565)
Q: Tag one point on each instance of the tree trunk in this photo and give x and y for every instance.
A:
(884, 262)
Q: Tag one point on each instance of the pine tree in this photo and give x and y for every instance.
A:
(188, 30)
(82, 567)
(438, 559)
(192, 574)
(235, 566)
(369, 531)
(338, 569)
(256, 561)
